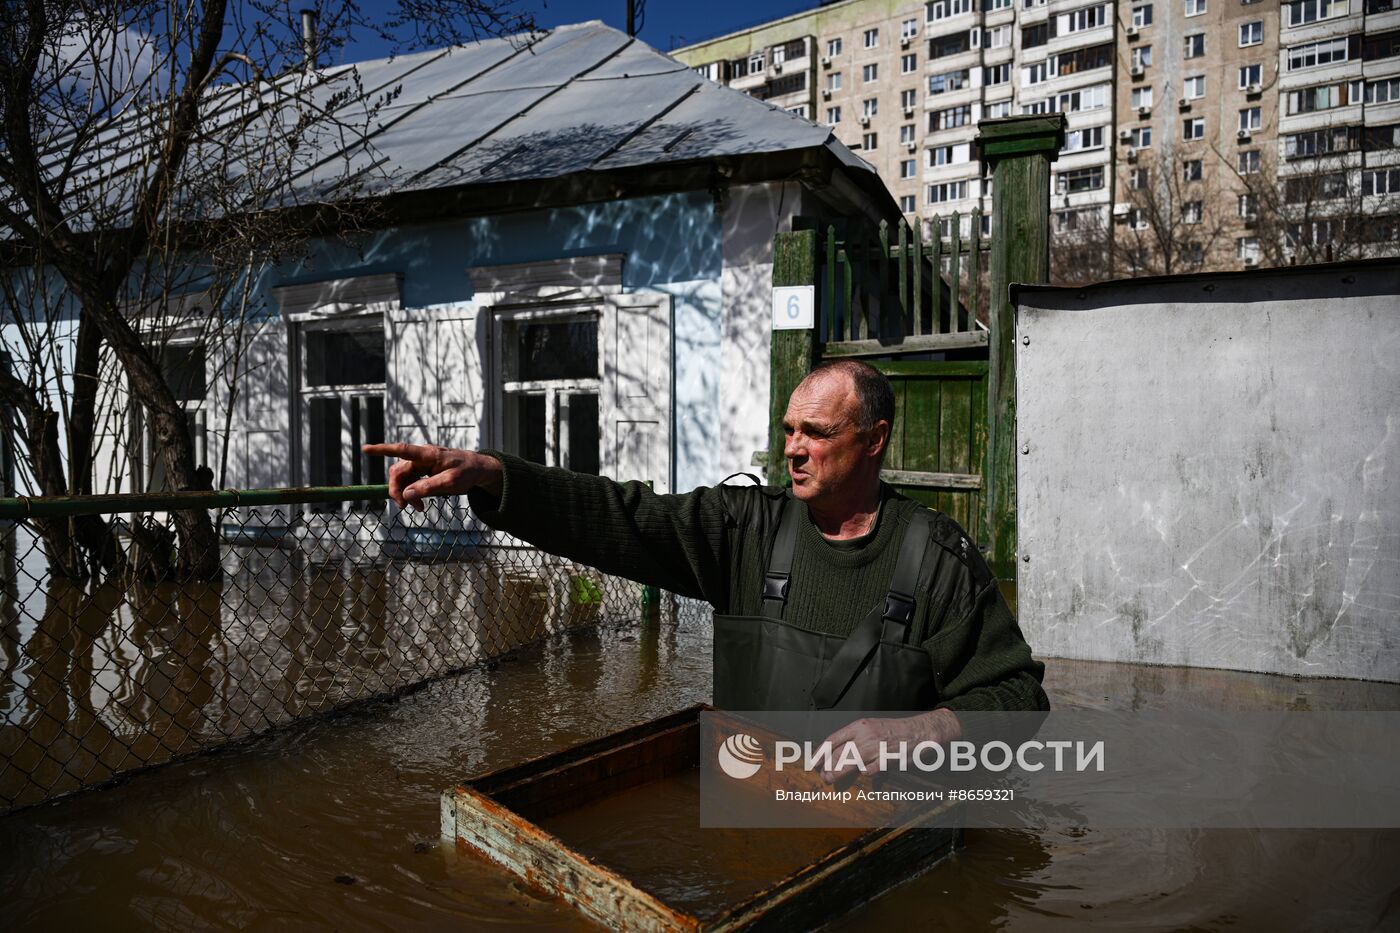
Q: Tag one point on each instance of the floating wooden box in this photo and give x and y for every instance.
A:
(498, 816)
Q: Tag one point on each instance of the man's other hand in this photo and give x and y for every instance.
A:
(940, 726)
(424, 470)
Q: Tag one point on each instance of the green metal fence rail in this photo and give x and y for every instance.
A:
(319, 598)
(72, 506)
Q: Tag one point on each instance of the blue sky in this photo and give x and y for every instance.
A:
(668, 23)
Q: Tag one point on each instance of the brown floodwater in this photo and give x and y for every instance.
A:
(333, 823)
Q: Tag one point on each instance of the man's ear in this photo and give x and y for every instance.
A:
(879, 437)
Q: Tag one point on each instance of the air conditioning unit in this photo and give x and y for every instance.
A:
(826, 61)
(1132, 155)
(826, 93)
(1251, 221)
(1136, 71)
(1242, 135)
(1131, 32)
(911, 145)
(1144, 111)
(777, 68)
(908, 111)
(904, 42)
(1254, 89)
(1124, 135)
(1183, 104)
(1121, 209)
(864, 121)
(1250, 261)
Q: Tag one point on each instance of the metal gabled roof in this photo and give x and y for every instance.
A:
(574, 100)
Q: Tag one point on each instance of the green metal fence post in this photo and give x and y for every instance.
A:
(1019, 150)
(792, 351)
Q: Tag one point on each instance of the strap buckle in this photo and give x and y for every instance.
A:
(899, 608)
(775, 586)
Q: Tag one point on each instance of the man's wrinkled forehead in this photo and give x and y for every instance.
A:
(826, 395)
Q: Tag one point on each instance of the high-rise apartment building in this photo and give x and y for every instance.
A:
(1202, 134)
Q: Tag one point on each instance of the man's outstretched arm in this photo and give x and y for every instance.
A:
(678, 542)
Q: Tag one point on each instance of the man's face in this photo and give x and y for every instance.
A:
(824, 448)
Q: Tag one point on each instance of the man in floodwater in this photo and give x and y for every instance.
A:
(843, 594)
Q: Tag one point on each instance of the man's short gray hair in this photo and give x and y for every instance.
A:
(874, 394)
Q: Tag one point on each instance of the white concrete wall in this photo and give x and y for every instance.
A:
(1207, 472)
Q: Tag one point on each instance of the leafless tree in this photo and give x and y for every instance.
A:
(150, 150)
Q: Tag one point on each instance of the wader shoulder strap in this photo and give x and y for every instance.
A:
(898, 611)
(775, 581)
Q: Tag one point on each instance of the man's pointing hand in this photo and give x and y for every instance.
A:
(424, 470)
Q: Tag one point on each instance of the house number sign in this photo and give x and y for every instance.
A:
(793, 307)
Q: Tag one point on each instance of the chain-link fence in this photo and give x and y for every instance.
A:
(116, 656)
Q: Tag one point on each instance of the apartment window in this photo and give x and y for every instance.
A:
(908, 63)
(949, 118)
(1247, 206)
(1193, 128)
(990, 6)
(1317, 54)
(869, 140)
(1194, 87)
(1038, 106)
(1383, 91)
(1191, 170)
(908, 99)
(833, 81)
(907, 168)
(1141, 97)
(1095, 56)
(1195, 7)
(1089, 98)
(995, 74)
(1195, 253)
(950, 81)
(1251, 33)
(907, 203)
(870, 107)
(1081, 140)
(1385, 45)
(1380, 137)
(1142, 56)
(1247, 162)
(1080, 179)
(1302, 12)
(833, 115)
(998, 109)
(1304, 188)
(909, 29)
(1324, 141)
(1137, 220)
(1195, 45)
(833, 47)
(946, 9)
(948, 191)
(998, 37)
(1035, 36)
(1142, 16)
(869, 73)
(1192, 211)
(798, 110)
(949, 155)
(1381, 181)
(1137, 179)
(872, 38)
(1142, 137)
(1080, 20)
(550, 389)
(1251, 76)
(953, 44)
(1033, 74)
(342, 399)
(1250, 119)
(1247, 249)
(755, 63)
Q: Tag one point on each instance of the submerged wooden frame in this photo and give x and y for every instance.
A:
(493, 815)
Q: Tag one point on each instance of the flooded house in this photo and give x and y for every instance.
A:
(573, 262)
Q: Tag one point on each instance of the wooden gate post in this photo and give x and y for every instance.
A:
(1019, 150)
(792, 351)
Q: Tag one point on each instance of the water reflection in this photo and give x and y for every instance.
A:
(103, 677)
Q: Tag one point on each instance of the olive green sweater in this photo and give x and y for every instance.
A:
(713, 543)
